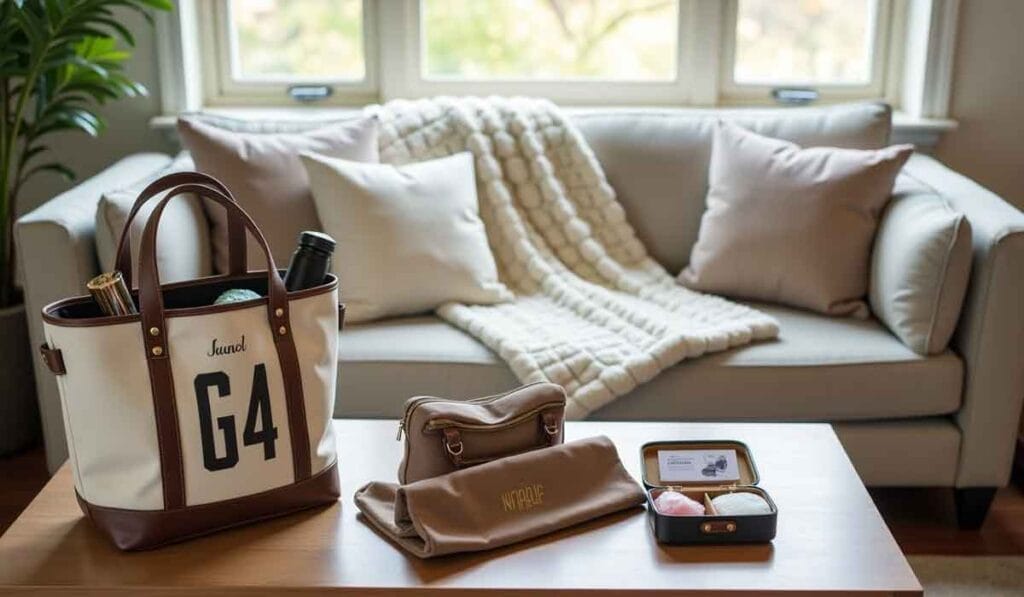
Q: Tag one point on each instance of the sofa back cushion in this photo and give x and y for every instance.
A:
(657, 160)
(920, 266)
(263, 171)
(183, 250)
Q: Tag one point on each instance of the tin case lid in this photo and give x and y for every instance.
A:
(652, 475)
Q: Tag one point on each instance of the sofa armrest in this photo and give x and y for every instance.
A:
(990, 333)
(57, 253)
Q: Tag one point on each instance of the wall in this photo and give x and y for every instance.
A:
(127, 131)
(988, 97)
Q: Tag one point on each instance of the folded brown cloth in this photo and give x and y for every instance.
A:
(504, 501)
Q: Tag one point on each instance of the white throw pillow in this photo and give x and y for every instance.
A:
(410, 238)
(183, 249)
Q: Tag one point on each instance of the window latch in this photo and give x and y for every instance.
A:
(794, 95)
(310, 93)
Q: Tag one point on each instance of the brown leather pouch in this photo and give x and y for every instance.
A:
(444, 435)
(504, 501)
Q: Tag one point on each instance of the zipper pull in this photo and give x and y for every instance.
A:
(401, 427)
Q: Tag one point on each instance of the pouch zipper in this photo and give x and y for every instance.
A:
(435, 424)
(404, 421)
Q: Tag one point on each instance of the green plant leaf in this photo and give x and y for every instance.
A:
(32, 152)
(89, 65)
(120, 30)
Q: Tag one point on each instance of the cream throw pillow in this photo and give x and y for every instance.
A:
(182, 242)
(410, 238)
(920, 267)
(265, 175)
(790, 225)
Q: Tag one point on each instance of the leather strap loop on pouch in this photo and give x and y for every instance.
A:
(151, 311)
(236, 229)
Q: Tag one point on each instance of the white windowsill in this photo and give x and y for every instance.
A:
(923, 132)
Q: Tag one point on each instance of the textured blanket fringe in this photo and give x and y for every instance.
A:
(593, 312)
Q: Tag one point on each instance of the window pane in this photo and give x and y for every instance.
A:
(804, 41)
(297, 39)
(550, 39)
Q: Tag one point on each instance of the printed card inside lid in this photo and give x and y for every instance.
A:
(692, 463)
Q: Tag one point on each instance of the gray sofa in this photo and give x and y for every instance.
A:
(945, 420)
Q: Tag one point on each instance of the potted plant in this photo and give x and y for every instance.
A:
(59, 59)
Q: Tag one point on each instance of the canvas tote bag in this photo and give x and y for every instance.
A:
(191, 417)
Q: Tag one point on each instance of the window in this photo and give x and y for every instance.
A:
(612, 40)
(279, 40)
(835, 46)
(669, 52)
(260, 48)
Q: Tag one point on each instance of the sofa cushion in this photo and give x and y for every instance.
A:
(264, 173)
(820, 368)
(920, 267)
(410, 237)
(657, 160)
(382, 364)
(182, 242)
(791, 225)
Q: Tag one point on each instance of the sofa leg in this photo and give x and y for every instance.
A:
(972, 504)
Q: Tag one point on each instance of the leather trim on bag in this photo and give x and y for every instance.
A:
(146, 529)
(291, 374)
(53, 358)
(50, 317)
(165, 412)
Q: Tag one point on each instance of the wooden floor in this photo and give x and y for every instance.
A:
(922, 520)
(21, 478)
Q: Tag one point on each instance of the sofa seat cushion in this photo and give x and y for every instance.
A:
(381, 364)
(820, 368)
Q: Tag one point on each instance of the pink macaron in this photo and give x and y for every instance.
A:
(674, 503)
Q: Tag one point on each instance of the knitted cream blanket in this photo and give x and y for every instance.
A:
(593, 312)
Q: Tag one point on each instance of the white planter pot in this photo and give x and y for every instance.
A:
(19, 412)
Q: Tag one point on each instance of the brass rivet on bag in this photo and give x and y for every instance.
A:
(282, 330)
(154, 331)
(157, 351)
(279, 312)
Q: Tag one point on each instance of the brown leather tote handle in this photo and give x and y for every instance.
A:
(150, 297)
(236, 229)
(154, 333)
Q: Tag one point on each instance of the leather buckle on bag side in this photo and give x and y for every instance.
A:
(53, 358)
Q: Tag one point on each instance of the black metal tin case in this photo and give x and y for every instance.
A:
(710, 528)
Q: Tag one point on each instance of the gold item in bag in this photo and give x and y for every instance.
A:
(111, 294)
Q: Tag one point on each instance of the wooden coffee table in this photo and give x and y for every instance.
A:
(830, 539)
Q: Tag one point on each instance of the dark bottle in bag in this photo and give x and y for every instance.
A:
(310, 261)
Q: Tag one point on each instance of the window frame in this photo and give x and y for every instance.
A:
(393, 39)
